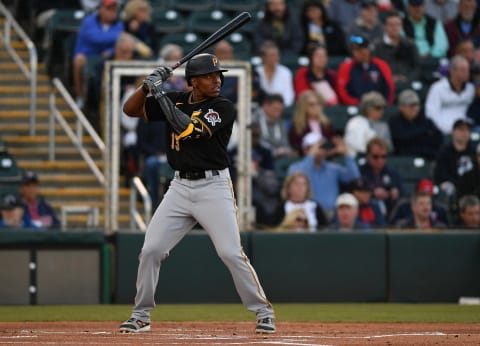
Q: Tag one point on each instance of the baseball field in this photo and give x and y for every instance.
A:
(231, 324)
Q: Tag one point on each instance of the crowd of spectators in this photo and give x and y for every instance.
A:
(362, 53)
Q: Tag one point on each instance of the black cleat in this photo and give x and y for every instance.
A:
(134, 326)
(266, 326)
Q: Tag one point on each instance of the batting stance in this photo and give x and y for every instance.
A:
(199, 125)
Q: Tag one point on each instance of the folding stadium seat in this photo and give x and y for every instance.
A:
(168, 21)
(191, 6)
(242, 46)
(239, 5)
(412, 169)
(334, 61)
(186, 40)
(293, 62)
(390, 111)
(339, 116)
(207, 22)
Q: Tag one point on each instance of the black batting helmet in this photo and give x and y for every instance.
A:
(202, 64)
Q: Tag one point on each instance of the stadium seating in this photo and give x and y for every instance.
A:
(339, 116)
(192, 6)
(186, 40)
(242, 46)
(412, 169)
(168, 21)
(207, 22)
(239, 5)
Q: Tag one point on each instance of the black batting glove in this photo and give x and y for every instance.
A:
(154, 84)
(164, 72)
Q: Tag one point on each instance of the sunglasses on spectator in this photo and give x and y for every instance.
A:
(300, 219)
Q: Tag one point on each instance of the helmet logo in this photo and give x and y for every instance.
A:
(214, 61)
(212, 117)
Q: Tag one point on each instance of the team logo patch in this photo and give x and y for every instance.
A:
(212, 117)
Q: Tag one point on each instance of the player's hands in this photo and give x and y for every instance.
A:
(164, 72)
(154, 84)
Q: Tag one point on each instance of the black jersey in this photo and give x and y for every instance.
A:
(197, 153)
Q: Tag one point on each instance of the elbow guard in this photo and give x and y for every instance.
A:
(181, 122)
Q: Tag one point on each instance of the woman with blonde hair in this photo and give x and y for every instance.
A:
(296, 193)
(295, 221)
(137, 20)
(309, 117)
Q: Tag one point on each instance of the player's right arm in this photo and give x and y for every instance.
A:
(134, 106)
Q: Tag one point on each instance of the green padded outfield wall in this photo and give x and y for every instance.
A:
(192, 273)
(437, 267)
(321, 267)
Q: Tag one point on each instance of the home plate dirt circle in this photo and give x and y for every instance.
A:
(240, 333)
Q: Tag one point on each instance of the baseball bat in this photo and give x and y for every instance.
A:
(231, 26)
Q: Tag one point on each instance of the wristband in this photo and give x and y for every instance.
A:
(145, 89)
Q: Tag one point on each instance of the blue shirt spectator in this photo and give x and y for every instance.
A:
(325, 176)
(13, 215)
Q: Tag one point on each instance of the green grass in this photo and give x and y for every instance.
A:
(447, 313)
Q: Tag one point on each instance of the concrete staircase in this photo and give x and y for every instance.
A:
(67, 181)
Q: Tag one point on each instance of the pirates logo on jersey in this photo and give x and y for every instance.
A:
(212, 117)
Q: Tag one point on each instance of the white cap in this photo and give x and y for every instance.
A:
(311, 138)
(347, 199)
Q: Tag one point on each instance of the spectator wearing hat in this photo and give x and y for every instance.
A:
(448, 98)
(367, 24)
(346, 214)
(428, 33)
(324, 176)
(369, 210)
(386, 183)
(469, 212)
(403, 208)
(368, 124)
(412, 133)
(398, 51)
(96, 38)
(363, 73)
(465, 25)
(40, 212)
(421, 217)
(456, 158)
(13, 215)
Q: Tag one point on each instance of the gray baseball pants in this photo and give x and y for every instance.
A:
(211, 203)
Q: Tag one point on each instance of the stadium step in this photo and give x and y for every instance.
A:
(67, 181)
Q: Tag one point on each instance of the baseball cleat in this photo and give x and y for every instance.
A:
(134, 326)
(266, 326)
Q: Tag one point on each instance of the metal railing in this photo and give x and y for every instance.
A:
(135, 217)
(29, 71)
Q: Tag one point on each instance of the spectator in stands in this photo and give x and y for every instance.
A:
(465, 25)
(275, 77)
(280, 26)
(399, 52)
(469, 183)
(403, 208)
(172, 53)
(36, 207)
(368, 124)
(223, 50)
(441, 10)
(296, 194)
(295, 220)
(367, 24)
(317, 76)
(309, 117)
(346, 214)
(325, 176)
(136, 17)
(90, 6)
(344, 12)
(413, 134)
(95, 39)
(152, 149)
(456, 158)
(466, 49)
(421, 204)
(13, 214)
(364, 73)
(427, 32)
(449, 97)
(469, 212)
(318, 29)
(386, 183)
(369, 209)
(274, 129)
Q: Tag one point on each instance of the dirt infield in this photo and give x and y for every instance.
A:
(235, 333)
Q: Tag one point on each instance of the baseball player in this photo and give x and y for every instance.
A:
(199, 125)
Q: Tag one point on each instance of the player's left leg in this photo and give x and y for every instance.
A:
(216, 211)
